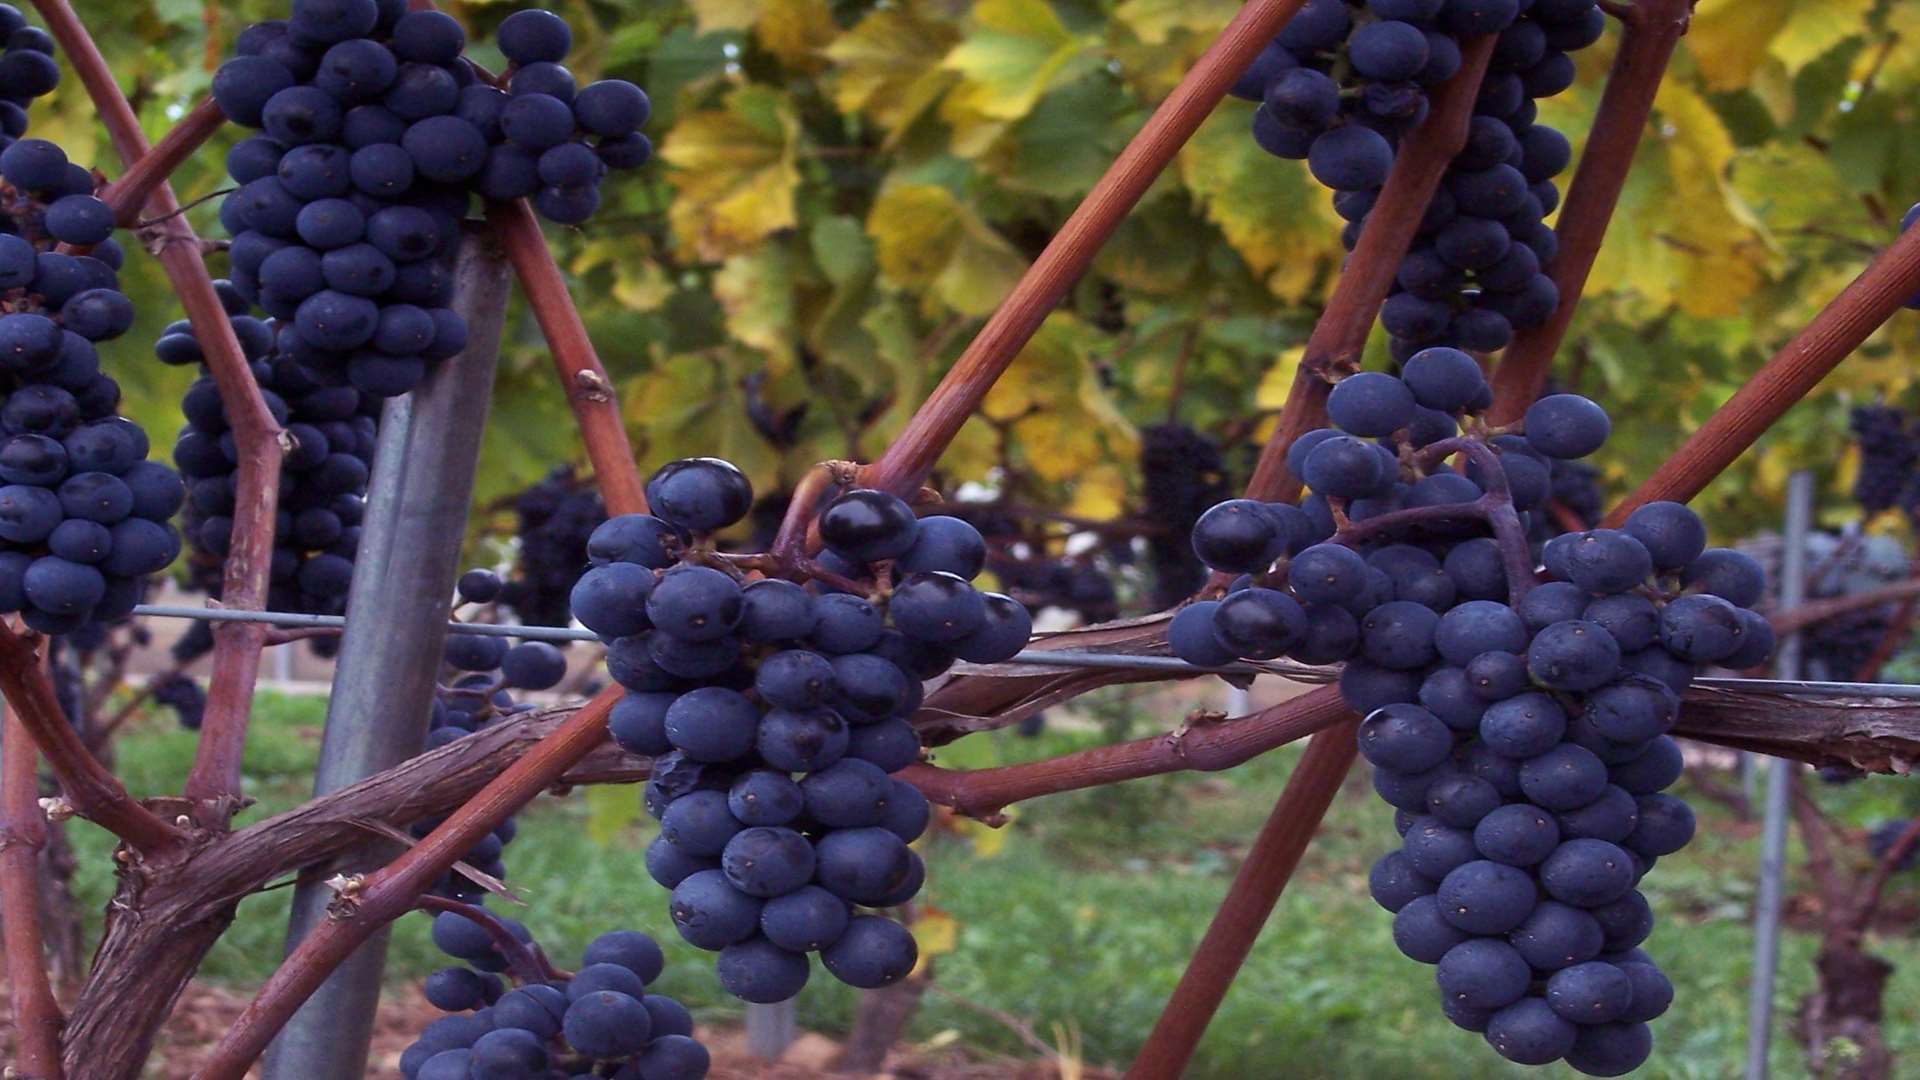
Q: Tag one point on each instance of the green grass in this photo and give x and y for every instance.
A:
(1085, 919)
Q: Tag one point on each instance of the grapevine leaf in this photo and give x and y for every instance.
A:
(736, 172)
(887, 66)
(1155, 21)
(924, 238)
(1270, 210)
(934, 931)
(757, 291)
(1729, 39)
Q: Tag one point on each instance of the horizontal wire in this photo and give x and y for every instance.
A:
(1035, 657)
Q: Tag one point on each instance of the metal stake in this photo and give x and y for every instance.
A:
(1773, 847)
(390, 650)
(770, 1029)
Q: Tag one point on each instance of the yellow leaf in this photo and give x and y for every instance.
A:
(796, 31)
(757, 293)
(1154, 21)
(710, 16)
(639, 281)
(1270, 210)
(1100, 493)
(1816, 26)
(688, 406)
(1729, 38)
(936, 932)
(924, 237)
(1064, 421)
(985, 840)
(1277, 383)
(1694, 242)
(1018, 51)
(888, 65)
(735, 170)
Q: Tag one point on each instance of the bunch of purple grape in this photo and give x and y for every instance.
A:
(598, 1021)
(376, 133)
(1889, 444)
(774, 712)
(83, 513)
(552, 520)
(1343, 82)
(475, 691)
(1516, 720)
(323, 480)
(28, 70)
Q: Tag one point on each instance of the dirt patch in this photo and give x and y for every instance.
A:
(204, 1012)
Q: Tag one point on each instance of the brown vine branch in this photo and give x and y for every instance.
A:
(215, 777)
(1334, 347)
(129, 194)
(1250, 899)
(1840, 327)
(23, 834)
(1883, 871)
(1819, 611)
(93, 791)
(1652, 32)
(389, 892)
(1205, 745)
(590, 393)
(905, 464)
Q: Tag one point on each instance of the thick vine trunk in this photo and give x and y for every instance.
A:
(882, 1018)
(1840, 1022)
(160, 925)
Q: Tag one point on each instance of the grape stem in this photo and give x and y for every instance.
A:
(394, 889)
(907, 461)
(1211, 746)
(1495, 507)
(23, 834)
(214, 780)
(527, 961)
(790, 544)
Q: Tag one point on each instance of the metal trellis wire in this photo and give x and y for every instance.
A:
(1035, 657)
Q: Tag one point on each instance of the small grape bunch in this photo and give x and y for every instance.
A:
(323, 479)
(475, 691)
(775, 711)
(83, 513)
(598, 1021)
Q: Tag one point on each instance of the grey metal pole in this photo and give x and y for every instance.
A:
(389, 660)
(770, 1029)
(1773, 846)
